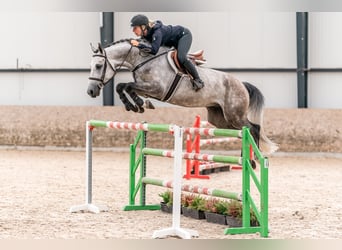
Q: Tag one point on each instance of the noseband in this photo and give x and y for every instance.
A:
(101, 83)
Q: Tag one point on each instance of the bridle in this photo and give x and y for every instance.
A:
(100, 80)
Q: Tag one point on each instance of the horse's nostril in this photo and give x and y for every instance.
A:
(90, 92)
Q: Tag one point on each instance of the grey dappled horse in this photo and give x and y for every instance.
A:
(231, 103)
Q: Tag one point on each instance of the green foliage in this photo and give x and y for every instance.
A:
(210, 205)
(235, 209)
(167, 197)
(222, 207)
(214, 205)
(198, 203)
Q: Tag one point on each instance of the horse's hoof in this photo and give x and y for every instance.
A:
(138, 101)
(141, 110)
(135, 108)
(149, 105)
(127, 108)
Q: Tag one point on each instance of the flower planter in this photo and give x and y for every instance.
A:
(225, 168)
(215, 170)
(205, 171)
(196, 214)
(165, 208)
(216, 218)
(233, 221)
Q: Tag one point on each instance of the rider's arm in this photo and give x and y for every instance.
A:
(155, 44)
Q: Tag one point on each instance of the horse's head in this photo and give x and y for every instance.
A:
(101, 71)
(104, 65)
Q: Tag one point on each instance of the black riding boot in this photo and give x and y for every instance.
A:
(197, 83)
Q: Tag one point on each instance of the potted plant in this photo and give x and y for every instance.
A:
(186, 199)
(234, 217)
(216, 210)
(193, 206)
(234, 214)
(166, 203)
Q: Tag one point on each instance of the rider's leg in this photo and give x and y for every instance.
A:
(183, 47)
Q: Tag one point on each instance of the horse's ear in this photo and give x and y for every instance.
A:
(100, 48)
(93, 48)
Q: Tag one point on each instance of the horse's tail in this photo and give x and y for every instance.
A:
(255, 115)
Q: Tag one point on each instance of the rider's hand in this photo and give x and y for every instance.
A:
(134, 42)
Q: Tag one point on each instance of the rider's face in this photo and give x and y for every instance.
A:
(137, 31)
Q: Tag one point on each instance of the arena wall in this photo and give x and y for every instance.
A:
(295, 130)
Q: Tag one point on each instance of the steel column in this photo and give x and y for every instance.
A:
(302, 59)
(107, 37)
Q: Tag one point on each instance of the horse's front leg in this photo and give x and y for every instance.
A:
(128, 105)
(137, 100)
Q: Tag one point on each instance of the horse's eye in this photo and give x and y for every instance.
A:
(98, 66)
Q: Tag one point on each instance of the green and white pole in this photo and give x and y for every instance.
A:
(194, 156)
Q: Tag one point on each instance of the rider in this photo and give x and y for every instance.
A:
(159, 34)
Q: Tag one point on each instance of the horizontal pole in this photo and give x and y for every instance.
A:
(194, 189)
(216, 140)
(214, 132)
(165, 128)
(132, 126)
(194, 156)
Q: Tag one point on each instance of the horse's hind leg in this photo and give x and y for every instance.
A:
(217, 118)
(255, 132)
(128, 105)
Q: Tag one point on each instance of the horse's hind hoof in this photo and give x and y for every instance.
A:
(149, 105)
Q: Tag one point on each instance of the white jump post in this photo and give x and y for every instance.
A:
(176, 230)
(88, 206)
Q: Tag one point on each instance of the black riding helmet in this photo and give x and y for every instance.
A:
(139, 20)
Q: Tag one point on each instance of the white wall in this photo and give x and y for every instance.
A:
(46, 89)
(46, 40)
(325, 89)
(232, 39)
(239, 40)
(50, 40)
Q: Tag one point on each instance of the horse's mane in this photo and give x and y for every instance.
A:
(129, 40)
(120, 41)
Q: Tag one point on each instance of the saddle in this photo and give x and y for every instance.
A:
(196, 57)
(180, 73)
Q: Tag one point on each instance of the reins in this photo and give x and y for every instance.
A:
(150, 59)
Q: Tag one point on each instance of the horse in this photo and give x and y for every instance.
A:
(230, 103)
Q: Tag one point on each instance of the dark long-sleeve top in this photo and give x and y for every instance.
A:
(160, 35)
